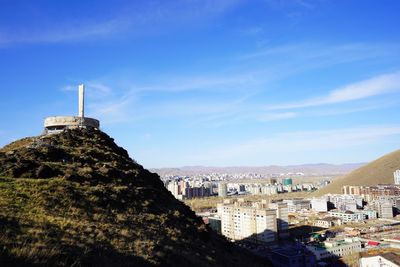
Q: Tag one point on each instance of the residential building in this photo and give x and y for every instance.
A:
(242, 220)
(335, 248)
(371, 214)
(348, 216)
(396, 175)
(388, 259)
(319, 204)
(222, 189)
(295, 205)
(384, 209)
(192, 192)
(328, 222)
(370, 193)
(174, 188)
(282, 216)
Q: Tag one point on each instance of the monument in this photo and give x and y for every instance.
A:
(56, 124)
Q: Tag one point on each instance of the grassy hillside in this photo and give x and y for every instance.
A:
(379, 171)
(77, 199)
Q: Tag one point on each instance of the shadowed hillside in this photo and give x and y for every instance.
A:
(379, 171)
(77, 199)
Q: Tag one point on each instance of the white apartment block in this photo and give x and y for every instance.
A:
(319, 204)
(242, 220)
(222, 189)
(348, 216)
(173, 187)
(328, 222)
(384, 208)
(396, 175)
(346, 202)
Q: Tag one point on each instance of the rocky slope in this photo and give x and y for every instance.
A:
(77, 199)
(379, 171)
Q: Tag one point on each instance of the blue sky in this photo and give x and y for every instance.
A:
(203, 82)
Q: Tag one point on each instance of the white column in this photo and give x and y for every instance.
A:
(81, 107)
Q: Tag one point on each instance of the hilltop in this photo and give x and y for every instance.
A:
(76, 198)
(379, 171)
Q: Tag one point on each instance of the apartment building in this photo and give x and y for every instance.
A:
(295, 205)
(348, 216)
(319, 204)
(328, 222)
(282, 216)
(248, 221)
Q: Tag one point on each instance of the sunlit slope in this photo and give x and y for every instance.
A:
(379, 171)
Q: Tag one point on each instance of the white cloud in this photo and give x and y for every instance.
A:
(383, 84)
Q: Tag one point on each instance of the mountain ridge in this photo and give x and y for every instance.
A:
(312, 168)
(378, 171)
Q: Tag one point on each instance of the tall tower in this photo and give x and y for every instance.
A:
(81, 107)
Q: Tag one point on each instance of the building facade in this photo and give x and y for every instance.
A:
(244, 221)
(282, 216)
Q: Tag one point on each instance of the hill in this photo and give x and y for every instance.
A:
(77, 199)
(379, 171)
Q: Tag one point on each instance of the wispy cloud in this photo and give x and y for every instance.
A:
(285, 145)
(324, 53)
(124, 102)
(194, 83)
(383, 84)
(229, 95)
(79, 31)
(277, 116)
(92, 89)
(137, 19)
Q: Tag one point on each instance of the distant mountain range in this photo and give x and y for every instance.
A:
(379, 171)
(306, 169)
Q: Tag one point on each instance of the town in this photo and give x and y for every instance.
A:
(358, 226)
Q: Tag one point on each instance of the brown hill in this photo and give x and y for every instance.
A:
(77, 199)
(379, 171)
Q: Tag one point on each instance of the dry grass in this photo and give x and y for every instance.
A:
(379, 171)
(201, 204)
(102, 209)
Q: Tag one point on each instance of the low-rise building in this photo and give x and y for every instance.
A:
(335, 248)
(382, 260)
(348, 216)
(293, 257)
(319, 204)
(328, 222)
(371, 214)
(296, 205)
